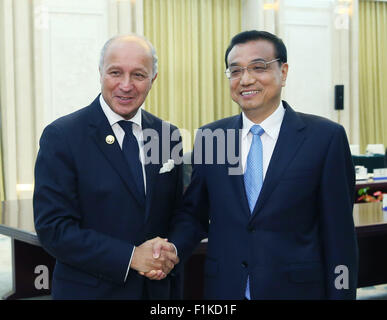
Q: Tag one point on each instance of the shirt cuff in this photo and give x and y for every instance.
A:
(130, 262)
(175, 248)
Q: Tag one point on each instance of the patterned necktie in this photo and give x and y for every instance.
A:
(132, 155)
(254, 176)
(254, 168)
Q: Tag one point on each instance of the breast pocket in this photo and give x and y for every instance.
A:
(166, 181)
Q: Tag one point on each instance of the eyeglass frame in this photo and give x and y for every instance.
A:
(227, 71)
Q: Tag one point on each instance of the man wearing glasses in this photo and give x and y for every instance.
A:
(282, 228)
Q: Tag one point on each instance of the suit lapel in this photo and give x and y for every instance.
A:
(99, 130)
(152, 169)
(237, 179)
(289, 141)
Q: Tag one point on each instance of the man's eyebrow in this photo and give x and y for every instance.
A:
(112, 66)
(252, 61)
(117, 67)
(258, 60)
(140, 69)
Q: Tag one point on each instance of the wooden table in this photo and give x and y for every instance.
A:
(17, 223)
(371, 228)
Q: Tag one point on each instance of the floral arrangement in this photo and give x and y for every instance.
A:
(365, 197)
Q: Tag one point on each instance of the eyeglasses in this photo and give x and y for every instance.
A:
(255, 69)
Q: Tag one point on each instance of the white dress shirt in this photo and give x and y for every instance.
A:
(272, 126)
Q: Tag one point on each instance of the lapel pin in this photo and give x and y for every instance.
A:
(109, 139)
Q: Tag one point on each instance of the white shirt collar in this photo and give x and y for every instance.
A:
(271, 125)
(113, 117)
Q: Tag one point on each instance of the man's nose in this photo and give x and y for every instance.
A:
(126, 83)
(246, 78)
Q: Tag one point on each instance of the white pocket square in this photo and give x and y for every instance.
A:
(168, 166)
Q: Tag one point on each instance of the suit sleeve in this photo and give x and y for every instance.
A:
(336, 198)
(190, 223)
(58, 218)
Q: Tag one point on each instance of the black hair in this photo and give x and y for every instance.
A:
(252, 35)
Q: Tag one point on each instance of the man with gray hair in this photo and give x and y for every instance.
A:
(98, 208)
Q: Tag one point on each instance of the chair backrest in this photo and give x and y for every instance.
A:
(187, 157)
(187, 169)
(375, 149)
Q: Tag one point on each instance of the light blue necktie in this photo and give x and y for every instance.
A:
(254, 175)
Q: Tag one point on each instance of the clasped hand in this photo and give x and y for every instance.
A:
(154, 258)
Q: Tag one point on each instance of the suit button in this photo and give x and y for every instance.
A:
(244, 264)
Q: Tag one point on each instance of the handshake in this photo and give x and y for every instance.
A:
(154, 258)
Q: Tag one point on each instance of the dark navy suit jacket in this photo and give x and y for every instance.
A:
(301, 232)
(87, 211)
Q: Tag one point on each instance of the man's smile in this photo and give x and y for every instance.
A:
(249, 93)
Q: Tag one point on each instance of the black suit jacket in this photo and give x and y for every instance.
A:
(87, 212)
(300, 234)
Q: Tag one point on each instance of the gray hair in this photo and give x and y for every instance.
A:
(152, 49)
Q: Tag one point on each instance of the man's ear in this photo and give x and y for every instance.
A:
(284, 72)
(154, 78)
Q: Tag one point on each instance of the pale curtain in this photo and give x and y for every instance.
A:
(125, 17)
(372, 72)
(191, 37)
(19, 95)
(1, 170)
